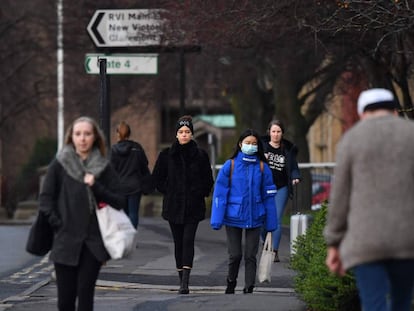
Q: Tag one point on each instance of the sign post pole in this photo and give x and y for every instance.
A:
(104, 101)
(182, 82)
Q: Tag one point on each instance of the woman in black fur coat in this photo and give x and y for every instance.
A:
(182, 173)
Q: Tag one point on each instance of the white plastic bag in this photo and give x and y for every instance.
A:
(266, 260)
(118, 233)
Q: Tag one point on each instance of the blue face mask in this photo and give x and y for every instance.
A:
(249, 149)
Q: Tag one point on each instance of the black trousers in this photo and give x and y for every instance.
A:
(184, 236)
(77, 282)
(235, 250)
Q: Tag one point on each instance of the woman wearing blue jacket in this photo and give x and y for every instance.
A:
(243, 200)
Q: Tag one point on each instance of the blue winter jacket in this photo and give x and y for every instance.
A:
(247, 200)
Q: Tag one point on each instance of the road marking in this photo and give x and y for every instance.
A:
(32, 274)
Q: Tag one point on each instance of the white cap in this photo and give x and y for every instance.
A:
(376, 98)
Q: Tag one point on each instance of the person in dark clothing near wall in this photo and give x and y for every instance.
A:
(131, 163)
(183, 174)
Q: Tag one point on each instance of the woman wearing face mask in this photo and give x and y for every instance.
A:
(243, 200)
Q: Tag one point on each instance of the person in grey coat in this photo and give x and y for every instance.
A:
(76, 180)
(371, 207)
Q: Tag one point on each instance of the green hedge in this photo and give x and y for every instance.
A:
(318, 288)
(27, 184)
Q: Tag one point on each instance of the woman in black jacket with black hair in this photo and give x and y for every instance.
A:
(183, 174)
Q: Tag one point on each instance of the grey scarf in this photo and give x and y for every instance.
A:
(76, 168)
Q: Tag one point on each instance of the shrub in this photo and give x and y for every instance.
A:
(27, 184)
(318, 288)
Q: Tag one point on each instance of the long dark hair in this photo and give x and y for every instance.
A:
(260, 149)
(278, 123)
(282, 127)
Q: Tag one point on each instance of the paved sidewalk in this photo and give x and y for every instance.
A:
(148, 280)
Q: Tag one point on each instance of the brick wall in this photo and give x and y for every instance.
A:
(144, 120)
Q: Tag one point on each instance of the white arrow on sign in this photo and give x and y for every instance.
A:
(123, 63)
(125, 28)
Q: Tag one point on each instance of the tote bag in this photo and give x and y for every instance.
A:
(40, 239)
(118, 233)
(266, 260)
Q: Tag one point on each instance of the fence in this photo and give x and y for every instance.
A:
(316, 179)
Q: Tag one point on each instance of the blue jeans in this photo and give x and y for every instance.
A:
(132, 209)
(385, 285)
(281, 200)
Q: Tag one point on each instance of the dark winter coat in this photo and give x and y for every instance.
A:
(131, 163)
(183, 174)
(292, 168)
(65, 200)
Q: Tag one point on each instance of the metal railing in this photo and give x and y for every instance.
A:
(314, 188)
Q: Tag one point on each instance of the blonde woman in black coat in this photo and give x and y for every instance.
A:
(182, 173)
(75, 181)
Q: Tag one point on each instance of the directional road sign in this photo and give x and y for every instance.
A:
(133, 64)
(126, 28)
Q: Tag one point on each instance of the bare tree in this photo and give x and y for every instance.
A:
(296, 53)
(380, 33)
(27, 82)
(292, 45)
(27, 49)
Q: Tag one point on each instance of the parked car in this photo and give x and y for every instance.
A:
(321, 187)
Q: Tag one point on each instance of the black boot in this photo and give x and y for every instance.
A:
(231, 285)
(276, 259)
(248, 290)
(184, 282)
(180, 275)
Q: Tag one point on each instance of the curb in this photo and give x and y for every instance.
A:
(14, 222)
(199, 289)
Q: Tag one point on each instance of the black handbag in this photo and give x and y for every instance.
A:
(40, 239)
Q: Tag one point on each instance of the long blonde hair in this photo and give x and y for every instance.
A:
(99, 136)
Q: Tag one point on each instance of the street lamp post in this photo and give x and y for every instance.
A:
(59, 56)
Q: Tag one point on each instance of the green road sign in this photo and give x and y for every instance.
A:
(123, 64)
